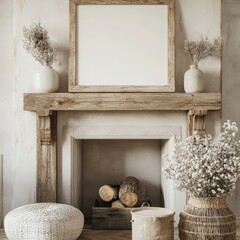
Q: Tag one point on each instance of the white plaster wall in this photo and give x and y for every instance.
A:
(195, 19)
(7, 98)
(18, 136)
(49, 13)
(18, 128)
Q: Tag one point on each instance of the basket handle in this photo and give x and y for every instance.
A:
(145, 204)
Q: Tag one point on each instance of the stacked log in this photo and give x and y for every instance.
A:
(130, 193)
(108, 193)
(117, 204)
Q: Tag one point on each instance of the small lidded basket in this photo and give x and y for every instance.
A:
(152, 223)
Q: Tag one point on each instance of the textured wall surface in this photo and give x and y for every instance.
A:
(231, 60)
(18, 132)
(231, 74)
(7, 144)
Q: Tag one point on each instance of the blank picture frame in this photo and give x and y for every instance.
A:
(122, 46)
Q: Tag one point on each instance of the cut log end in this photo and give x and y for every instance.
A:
(132, 193)
(117, 204)
(129, 199)
(108, 193)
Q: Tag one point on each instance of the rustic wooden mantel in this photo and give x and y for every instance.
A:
(46, 106)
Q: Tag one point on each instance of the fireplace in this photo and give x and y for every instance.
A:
(109, 116)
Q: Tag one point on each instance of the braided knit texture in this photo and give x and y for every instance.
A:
(44, 221)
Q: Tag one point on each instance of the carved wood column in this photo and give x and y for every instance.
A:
(46, 156)
(196, 121)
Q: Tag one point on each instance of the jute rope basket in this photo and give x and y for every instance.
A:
(207, 219)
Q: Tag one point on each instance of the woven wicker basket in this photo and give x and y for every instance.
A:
(207, 219)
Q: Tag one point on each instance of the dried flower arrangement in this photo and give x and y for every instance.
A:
(36, 42)
(204, 168)
(198, 50)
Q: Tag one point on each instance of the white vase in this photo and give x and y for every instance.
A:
(193, 80)
(46, 80)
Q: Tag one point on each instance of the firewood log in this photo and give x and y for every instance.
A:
(128, 191)
(117, 204)
(108, 193)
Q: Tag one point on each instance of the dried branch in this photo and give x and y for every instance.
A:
(199, 50)
(36, 42)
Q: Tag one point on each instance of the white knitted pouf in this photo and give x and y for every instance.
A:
(44, 221)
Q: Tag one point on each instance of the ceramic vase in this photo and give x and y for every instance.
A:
(46, 80)
(193, 80)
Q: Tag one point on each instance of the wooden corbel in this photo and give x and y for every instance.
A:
(196, 121)
(46, 126)
(46, 156)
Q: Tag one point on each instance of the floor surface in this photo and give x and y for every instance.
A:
(88, 234)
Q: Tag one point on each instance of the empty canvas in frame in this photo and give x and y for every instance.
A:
(121, 48)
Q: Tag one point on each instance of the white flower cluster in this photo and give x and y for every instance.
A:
(204, 168)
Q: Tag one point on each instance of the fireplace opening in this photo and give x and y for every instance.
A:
(108, 161)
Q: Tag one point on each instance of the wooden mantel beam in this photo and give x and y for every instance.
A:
(121, 101)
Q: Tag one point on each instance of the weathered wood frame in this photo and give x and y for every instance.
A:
(46, 106)
(73, 86)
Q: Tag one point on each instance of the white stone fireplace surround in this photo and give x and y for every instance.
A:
(75, 127)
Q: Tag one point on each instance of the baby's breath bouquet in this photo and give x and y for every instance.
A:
(199, 50)
(204, 168)
(36, 42)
